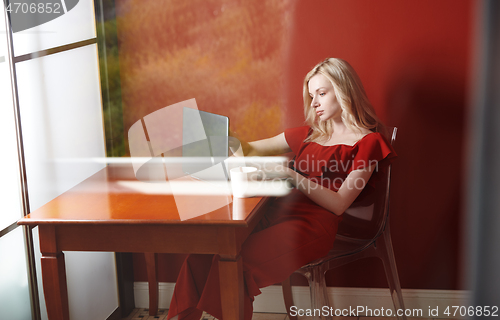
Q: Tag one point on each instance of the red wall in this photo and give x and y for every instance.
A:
(414, 60)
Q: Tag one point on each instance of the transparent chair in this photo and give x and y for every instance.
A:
(364, 232)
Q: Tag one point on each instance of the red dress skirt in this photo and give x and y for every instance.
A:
(293, 232)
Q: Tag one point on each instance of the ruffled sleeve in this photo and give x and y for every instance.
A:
(295, 136)
(373, 149)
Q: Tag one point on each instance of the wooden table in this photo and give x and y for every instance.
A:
(100, 214)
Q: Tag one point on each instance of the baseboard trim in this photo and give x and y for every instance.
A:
(271, 299)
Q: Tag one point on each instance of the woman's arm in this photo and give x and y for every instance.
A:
(266, 147)
(336, 202)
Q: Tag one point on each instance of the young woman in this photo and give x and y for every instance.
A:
(338, 156)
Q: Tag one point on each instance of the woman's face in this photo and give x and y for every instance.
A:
(324, 101)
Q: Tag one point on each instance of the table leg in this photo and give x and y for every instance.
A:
(53, 276)
(151, 259)
(231, 288)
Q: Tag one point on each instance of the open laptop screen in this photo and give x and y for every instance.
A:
(204, 140)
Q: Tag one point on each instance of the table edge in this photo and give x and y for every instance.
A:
(28, 221)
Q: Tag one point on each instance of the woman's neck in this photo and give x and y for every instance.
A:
(339, 127)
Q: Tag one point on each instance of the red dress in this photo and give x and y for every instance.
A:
(294, 231)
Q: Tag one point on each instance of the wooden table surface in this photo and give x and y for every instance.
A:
(100, 214)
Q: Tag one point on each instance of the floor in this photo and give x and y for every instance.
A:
(142, 314)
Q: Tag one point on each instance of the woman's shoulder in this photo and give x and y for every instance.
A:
(295, 136)
(298, 130)
(373, 138)
(297, 133)
(372, 147)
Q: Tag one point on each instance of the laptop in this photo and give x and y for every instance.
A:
(205, 144)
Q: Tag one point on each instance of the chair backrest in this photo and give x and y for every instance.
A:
(367, 217)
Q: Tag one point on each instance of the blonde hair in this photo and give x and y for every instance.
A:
(357, 111)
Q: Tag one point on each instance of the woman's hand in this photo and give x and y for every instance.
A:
(235, 145)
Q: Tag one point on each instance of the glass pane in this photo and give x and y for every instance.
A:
(14, 290)
(77, 24)
(10, 209)
(61, 117)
